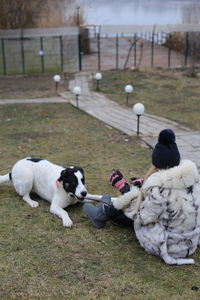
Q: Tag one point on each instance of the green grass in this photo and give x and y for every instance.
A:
(40, 259)
(32, 86)
(165, 93)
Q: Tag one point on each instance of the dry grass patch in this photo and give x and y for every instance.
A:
(165, 93)
(33, 86)
(40, 259)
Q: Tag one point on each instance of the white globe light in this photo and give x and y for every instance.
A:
(40, 52)
(138, 108)
(77, 90)
(56, 78)
(128, 88)
(98, 76)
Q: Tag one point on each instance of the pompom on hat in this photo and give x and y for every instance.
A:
(166, 154)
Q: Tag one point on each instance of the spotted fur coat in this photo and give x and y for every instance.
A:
(168, 221)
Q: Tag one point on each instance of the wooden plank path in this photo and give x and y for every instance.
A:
(123, 119)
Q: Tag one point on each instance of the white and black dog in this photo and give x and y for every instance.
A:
(58, 185)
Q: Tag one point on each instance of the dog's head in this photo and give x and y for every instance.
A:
(73, 181)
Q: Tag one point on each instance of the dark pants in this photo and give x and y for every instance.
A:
(118, 216)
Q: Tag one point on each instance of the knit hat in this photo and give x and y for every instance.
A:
(165, 154)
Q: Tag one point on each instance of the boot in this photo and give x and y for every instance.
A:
(96, 214)
(106, 199)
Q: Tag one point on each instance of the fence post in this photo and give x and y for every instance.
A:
(169, 52)
(135, 50)
(99, 53)
(152, 50)
(42, 55)
(117, 51)
(80, 52)
(186, 47)
(22, 52)
(152, 45)
(162, 37)
(61, 53)
(3, 56)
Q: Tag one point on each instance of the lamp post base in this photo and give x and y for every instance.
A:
(138, 125)
(97, 86)
(77, 101)
(127, 96)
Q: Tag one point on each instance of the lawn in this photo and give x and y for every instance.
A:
(40, 259)
(31, 86)
(171, 94)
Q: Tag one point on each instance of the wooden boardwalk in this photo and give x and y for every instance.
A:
(123, 119)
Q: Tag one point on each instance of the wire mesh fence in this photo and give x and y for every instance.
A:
(97, 48)
(119, 48)
(38, 51)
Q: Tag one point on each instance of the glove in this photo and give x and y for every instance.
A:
(137, 181)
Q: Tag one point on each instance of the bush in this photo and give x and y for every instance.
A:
(176, 41)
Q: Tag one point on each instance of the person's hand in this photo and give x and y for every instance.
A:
(137, 181)
(117, 180)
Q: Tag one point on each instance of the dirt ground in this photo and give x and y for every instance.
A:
(31, 86)
(143, 56)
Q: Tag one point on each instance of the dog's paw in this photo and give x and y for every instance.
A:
(67, 222)
(34, 203)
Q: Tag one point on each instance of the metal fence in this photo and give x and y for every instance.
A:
(113, 47)
(93, 48)
(39, 51)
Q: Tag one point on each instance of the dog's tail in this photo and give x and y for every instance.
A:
(5, 178)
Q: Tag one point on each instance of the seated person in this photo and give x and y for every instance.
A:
(165, 211)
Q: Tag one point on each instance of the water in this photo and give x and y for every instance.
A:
(140, 12)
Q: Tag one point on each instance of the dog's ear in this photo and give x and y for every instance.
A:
(81, 170)
(66, 172)
(63, 175)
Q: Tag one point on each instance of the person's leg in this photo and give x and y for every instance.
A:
(104, 212)
(117, 216)
(96, 214)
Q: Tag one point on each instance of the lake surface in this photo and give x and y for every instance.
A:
(140, 12)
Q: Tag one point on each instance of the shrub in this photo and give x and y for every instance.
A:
(176, 41)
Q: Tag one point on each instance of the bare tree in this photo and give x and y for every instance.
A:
(18, 13)
(35, 13)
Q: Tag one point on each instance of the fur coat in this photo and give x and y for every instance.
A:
(168, 221)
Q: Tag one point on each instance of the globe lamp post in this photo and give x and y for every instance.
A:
(128, 89)
(77, 92)
(138, 109)
(56, 79)
(98, 77)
